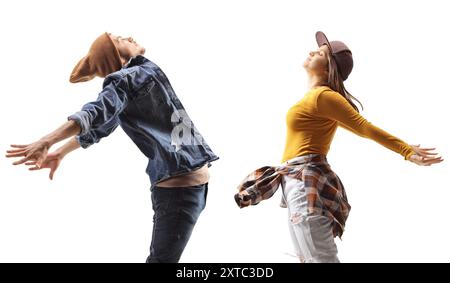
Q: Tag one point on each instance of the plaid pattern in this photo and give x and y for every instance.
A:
(325, 191)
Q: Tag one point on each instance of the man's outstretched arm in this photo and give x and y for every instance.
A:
(53, 159)
(37, 151)
(96, 120)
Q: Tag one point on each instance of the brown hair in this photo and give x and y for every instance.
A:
(336, 83)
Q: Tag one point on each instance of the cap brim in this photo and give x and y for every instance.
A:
(322, 39)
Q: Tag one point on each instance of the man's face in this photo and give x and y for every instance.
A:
(127, 47)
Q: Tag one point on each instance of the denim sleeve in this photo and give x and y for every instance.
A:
(96, 134)
(99, 118)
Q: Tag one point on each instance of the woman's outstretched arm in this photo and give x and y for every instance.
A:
(332, 105)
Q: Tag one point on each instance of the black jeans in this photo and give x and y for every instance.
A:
(176, 211)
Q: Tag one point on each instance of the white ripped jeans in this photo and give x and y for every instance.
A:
(312, 235)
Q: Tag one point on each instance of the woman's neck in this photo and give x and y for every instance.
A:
(316, 81)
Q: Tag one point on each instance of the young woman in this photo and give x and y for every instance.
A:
(137, 96)
(315, 197)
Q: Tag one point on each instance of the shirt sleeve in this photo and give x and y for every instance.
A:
(349, 129)
(96, 134)
(99, 118)
(334, 106)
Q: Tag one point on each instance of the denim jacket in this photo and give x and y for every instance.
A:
(141, 100)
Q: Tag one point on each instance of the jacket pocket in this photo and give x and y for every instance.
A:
(146, 89)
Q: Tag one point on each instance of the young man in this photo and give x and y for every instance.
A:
(137, 96)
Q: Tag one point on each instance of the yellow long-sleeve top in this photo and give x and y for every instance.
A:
(312, 123)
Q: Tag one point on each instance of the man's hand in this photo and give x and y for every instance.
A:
(52, 162)
(424, 156)
(36, 151)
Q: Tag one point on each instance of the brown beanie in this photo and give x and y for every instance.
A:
(103, 59)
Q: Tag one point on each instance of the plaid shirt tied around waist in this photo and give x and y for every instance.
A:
(325, 192)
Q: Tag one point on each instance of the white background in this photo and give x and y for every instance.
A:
(236, 66)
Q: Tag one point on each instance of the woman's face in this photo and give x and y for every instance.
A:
(317, 61)
(127, 47)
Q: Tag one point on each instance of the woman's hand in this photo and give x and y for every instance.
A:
(52, 162)
(424, 156)
(36, 151)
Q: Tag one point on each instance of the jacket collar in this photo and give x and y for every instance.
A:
(138, 60)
